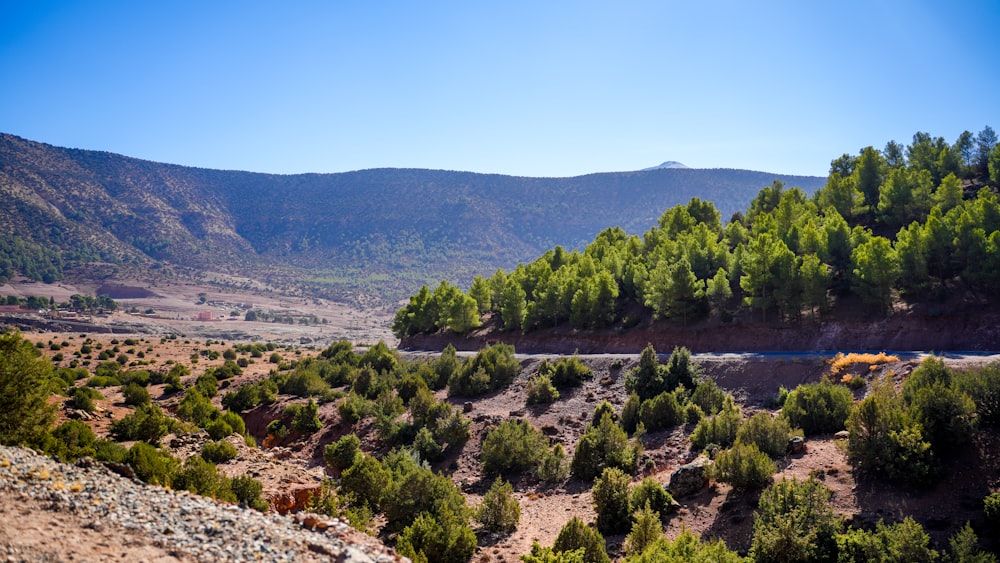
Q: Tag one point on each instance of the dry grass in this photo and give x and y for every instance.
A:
(842, 361)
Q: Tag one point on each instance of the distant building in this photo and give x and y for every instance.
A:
(204, 316)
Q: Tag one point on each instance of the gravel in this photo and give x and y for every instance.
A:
(184, 525)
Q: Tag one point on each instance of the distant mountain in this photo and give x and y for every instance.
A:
(382, 231)
(667, 164)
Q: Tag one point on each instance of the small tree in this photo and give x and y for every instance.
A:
(343, 453)
(577, 535)
(603, 445)
(818, 408)
(611, 501)
(500, 511)
(794, 522)
(651, 493)
(744, 467)
(512, 447)
(25, 416)
(646, 529)
(770, 434)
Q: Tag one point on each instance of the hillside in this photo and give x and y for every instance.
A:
(380, 232)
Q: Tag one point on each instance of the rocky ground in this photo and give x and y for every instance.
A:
(84, 512)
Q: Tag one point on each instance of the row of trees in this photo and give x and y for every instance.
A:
(888, 223)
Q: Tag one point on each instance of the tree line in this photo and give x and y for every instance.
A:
(915, 223)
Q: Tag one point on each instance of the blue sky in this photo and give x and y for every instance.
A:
(526, 88)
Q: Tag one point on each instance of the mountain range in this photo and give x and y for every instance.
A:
(379, 231)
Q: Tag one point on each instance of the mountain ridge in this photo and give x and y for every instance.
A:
(382, 230)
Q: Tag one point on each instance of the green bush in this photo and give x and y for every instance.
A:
(646, 529)
(366, 480)
(108, 450)
(71, 440)
(577, 535)
(567, 372)
(196, 408)
(234, 421)
(541, 554)
(651, 493)
(744, 467)
(146, 423)
(354, 407)
(218, 452)
(818, 408)
(611, 501)
(202, 477)
(709, 396)
(661, 412)
(152, 465)
(83, 398)
(415, 489)
(648, 379)
(983, 385)
(541, 390)
(492, 368)
(770, 434)
(512, 447)
(444, 536)
(991, 508)
(630, 412)
(305, 418)
(884, 440)
(686, 547)
(207, 385)
(426, 446)
(794, 522)
(249, 396)
(553, 467)
(499, 511)
(135, 395)
(601, 446)
(343, 453)
(902, 541)
(140, 377)
(218, 429)
(720, 429)
(25, 385)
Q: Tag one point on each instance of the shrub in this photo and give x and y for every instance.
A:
(902, 541)
(218, 429)
(366, 480)
(353, 408)
(451, 430)
(577, 535)
(686, 547)
(343, 453)
(720, 429)
(611, 501)
(135, 394)
(770, 434)
(553, 467)
(794, 522)
(964, 548)
(152, 465)
(541, 554)
(418, 489)
(709, 396)
(146, 423)
(446, 365)
(818, 408)
(207, 385)
(884, 440)
(202, 477)
(196, 408)
(234, 421)
(218, 452)
(444, 536)
(71, 440)
(426, 446)
(983, 385)
(83, 398)
(108, 450)
(744, 467)
(541, 390)
(567, 372)
(304, 382)
(630, 412)
(648, 379)
(661, 412)
(512, 447)
(140, 377)
(601, 446)
(490, 369)
(991, 509)
(947, 415)
(305, 418)
(646, 529)
(651, 493)
(499, 511)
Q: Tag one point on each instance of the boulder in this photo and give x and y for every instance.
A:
(690, 478)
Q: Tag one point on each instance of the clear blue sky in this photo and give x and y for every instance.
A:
(539, 88)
